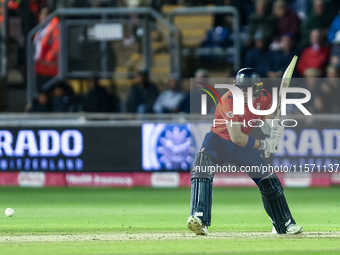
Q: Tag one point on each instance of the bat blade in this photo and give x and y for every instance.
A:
(286, 78)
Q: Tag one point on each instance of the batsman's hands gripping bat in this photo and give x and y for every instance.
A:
(277, 130)
(275, 134)
(269, 145)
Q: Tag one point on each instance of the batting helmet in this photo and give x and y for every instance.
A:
(248, 77)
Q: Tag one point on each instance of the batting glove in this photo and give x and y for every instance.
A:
(276, 131)
(269, 145)
(266, 128)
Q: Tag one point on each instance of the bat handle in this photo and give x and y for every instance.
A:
(267, 154)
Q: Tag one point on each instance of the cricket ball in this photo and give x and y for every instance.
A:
(9, 212)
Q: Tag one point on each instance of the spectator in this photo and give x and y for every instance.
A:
(315, 56)
(315, 104)
(259, 58)
(334, 28)
(191, 102)
(184, 106)
(331, 89)
(286, 20)
(115, 103)
(216, 37)
(46, 42)
(169, 100)
(97, 99)
(261, 21)
(201, 74)
(300, 7)
(142, 95)
(40, 104)
(335, 53)
(64, 98)
(317, 19)
(283, 57)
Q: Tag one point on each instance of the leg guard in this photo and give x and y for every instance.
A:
(201, 187)
(204, 167)
(201, 199)
(275, 203)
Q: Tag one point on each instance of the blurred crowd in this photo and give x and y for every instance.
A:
(143, 97)
(278, 30)
(272, 33)
(63, 99)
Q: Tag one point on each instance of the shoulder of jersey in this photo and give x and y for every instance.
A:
(227, 99)
(265, 93)
(265, 96)
(227, 95)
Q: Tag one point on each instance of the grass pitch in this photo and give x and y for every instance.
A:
(153, 221)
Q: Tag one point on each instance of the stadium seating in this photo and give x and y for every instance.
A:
(193, 28)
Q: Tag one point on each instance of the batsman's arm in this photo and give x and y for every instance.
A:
(238, 137)
(241, 139)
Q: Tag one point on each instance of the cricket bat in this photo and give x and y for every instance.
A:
(286, 78)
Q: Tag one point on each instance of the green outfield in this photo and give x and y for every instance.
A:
(153, 221)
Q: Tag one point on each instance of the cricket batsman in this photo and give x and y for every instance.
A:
(231, 143)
